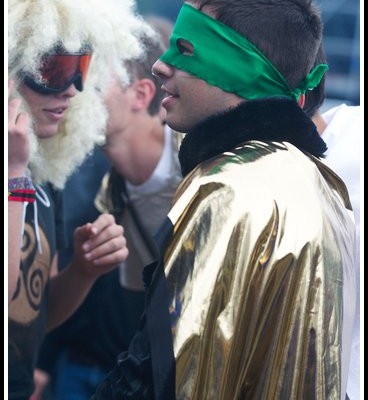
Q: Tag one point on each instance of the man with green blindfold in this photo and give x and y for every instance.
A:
(253, 292)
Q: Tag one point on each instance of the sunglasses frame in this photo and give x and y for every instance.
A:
(77, 78)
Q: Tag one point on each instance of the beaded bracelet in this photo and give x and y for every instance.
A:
(22, 182)
(21, 189)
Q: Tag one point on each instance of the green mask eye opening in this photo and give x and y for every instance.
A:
(185, 47)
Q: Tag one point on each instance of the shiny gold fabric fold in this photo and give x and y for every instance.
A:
(260, 271)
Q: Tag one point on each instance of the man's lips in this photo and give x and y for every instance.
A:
(169, 93)
(170, 96)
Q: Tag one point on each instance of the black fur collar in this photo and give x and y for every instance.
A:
(267, 119)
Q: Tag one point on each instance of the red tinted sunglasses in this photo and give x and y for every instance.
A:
(58, 71)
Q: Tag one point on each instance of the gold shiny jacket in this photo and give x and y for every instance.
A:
(261, 277)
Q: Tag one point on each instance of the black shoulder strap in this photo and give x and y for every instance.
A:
(146, 237)
(159, 324)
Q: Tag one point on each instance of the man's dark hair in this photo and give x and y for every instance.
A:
(315, 98)
(288, 32)
(154, 47)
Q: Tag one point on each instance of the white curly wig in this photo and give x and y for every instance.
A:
(113, 29)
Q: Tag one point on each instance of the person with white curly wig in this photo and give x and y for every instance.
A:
(59, 55)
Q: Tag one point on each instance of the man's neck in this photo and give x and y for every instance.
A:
(319, 122)
(145, 146)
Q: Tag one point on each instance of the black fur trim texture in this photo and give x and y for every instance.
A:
(276, 119)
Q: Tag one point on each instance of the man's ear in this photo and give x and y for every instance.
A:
(301, 101)
(145, 90)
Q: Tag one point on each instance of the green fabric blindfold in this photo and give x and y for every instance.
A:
(224, 58)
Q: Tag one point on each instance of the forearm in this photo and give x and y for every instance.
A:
(15, 221)
(20, 191)
(98, 248)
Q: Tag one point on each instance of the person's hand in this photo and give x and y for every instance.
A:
(18, 136)
(41, 380)
(99, 246)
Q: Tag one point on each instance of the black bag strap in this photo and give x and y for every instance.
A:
(147, 238)
(159, 323)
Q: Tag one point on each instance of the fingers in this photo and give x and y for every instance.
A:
(103, 241)
(41, 380)
(110, 241)
(109, 253)
(18, 122)
(90, 233)
(83, 233)
(18, 136)
(103, 221)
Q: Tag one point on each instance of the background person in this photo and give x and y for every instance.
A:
(341, 129)
(51, 47)
(138, 191)
(80, 189)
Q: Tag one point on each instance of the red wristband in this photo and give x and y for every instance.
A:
(22, 195)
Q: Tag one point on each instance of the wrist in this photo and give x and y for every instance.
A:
(16, 172)
(80, 273)
(21, 189)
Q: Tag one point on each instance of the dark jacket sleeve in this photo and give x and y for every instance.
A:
(131, 378)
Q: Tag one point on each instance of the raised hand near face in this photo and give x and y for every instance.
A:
(18, 136)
